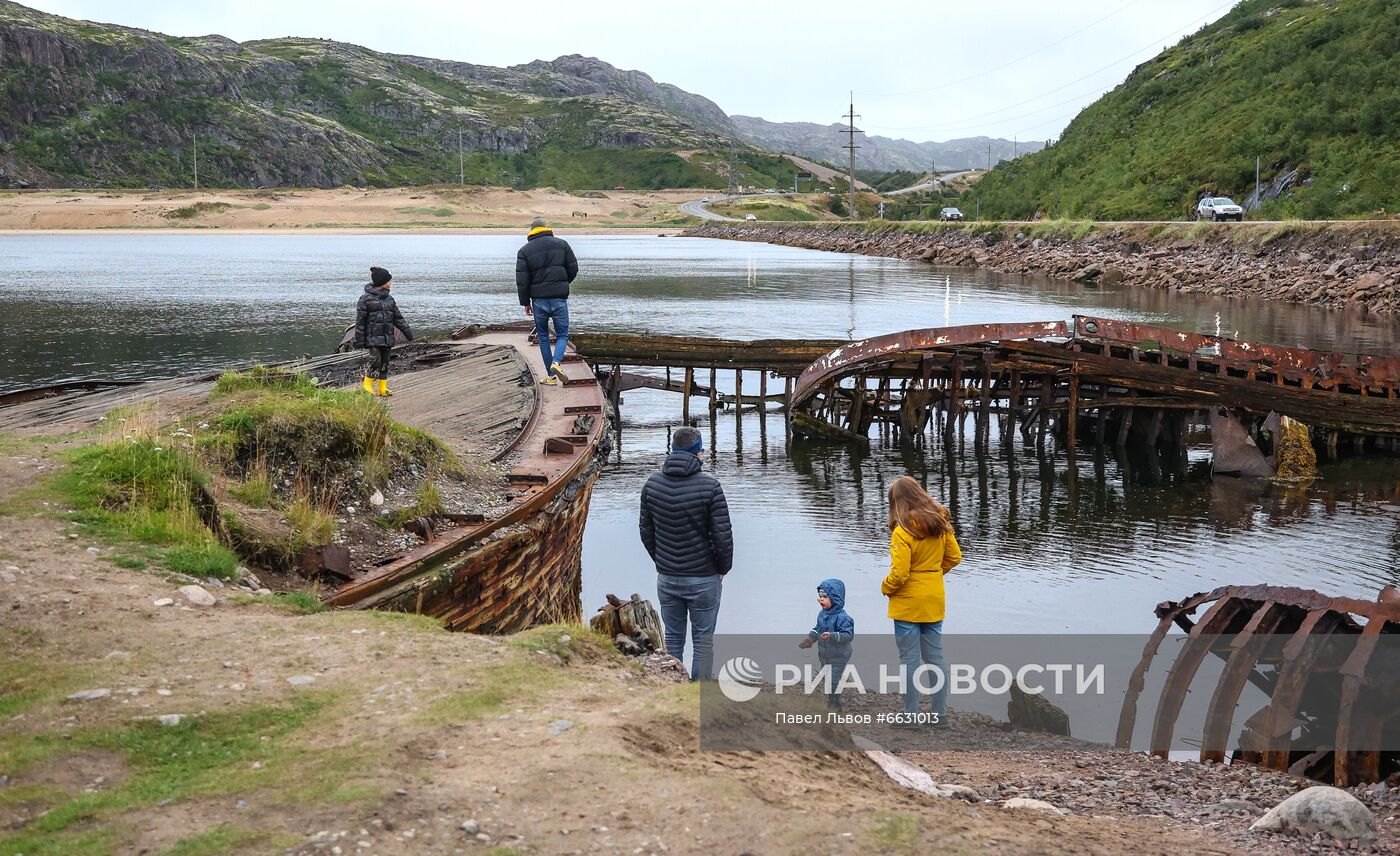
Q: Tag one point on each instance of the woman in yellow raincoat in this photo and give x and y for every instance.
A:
(922, 549)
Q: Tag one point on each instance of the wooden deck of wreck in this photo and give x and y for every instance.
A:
(479, 393)
(522, 566)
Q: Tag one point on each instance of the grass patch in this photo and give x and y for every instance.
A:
(270, 417)
(225, 838)
(131, 563)
(135, 490)
(255, 491)
(568, 642)
(425, 211)
(895, 830)
(427, 502)
(299, 602)
(501, 686)
(207, 756)
(205, 559)
(199, 209)
(261, 206)
(310, 525)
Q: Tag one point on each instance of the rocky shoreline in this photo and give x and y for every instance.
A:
(1347, 265)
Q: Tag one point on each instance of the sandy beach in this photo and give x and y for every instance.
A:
(435, 210)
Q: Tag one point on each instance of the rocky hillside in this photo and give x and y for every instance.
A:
(100, 105)
(824, 142)
(1311, 87)
(576, 76)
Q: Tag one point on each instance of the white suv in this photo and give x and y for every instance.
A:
(1218, 208)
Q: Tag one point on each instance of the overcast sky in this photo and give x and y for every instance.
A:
(920, 69)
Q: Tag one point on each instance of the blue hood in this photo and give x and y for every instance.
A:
(836, 590)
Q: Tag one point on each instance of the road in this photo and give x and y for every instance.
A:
(823, 173)
(696, 208)
(928, 185)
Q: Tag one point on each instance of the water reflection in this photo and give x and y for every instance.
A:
(1047, 548)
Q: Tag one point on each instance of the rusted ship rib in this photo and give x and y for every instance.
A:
(477, 390)
(1314, 656)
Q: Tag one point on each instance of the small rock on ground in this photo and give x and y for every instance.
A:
(89, 695)
(197, 595)
(1027, 804)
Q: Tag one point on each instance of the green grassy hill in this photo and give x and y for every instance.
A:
(84, 104)
(1310, 86)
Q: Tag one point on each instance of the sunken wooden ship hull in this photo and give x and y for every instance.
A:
(522, 566)
(476, 390)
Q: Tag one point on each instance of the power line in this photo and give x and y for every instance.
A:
(972, 121)
(988, 71)
(1128, 56)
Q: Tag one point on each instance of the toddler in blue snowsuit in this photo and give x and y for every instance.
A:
(832, 635)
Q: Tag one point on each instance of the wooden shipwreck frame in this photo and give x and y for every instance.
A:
(1316, 659)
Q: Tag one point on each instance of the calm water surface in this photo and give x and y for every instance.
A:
(1043, 553)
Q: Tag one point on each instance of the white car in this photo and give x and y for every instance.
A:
(750, 217)
(1218, 208)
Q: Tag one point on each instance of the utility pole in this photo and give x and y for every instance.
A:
(461, 161)
(1258, 198)
(851, 147)
(1015, 147)
(989, 157)
(196, 163)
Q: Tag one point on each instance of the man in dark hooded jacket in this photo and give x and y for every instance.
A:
(544, 267)
(377, 317)
(685, 528)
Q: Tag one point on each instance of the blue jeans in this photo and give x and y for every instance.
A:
(921, 643)
(558, 309)
(696, 599)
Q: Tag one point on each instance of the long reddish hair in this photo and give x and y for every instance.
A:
(920, 514)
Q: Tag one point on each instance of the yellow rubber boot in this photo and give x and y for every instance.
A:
(368, 385)
(384, 388)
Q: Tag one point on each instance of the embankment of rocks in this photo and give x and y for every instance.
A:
(1352, 265)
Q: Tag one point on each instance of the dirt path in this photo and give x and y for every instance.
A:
(354, 732)
(432, 209)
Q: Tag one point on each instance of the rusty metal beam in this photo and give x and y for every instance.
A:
(1245, 650)
(848, 356)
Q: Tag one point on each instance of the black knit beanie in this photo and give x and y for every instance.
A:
(379, 276)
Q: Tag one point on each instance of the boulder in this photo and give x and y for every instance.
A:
(1086, 274)
(1328, 810)
(1111, 277)
(1035, 713)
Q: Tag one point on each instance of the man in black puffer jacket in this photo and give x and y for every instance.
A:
(544, 267)
(685, 527)
(377, 317)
